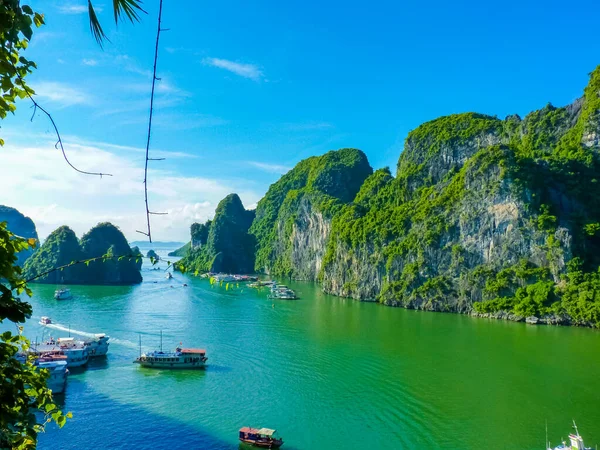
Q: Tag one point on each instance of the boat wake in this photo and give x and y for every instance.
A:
(58, 326)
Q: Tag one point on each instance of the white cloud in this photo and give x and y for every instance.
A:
(274, 168)
(38, 182)
(61, 93)
(89, 62)
(251, 71)
(76, 9)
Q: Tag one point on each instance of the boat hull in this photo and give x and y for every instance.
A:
(171, 365)
(263, 443)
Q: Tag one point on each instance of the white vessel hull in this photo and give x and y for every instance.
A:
(172, 365)
(58, 375)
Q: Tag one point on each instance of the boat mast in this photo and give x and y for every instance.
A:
(547, 443)
(140, 336)
(161, 341)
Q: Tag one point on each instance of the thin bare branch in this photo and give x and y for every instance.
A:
(59, 143)
(154, 79)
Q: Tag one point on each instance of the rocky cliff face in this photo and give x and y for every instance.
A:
(223, 244)
(19, 225)
(483, 215)
(499, 218)
(62, 247)
(293, 220)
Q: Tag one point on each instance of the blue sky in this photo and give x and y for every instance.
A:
(249, 89)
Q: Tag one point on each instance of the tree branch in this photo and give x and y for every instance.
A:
(37, 106)
(154, 79)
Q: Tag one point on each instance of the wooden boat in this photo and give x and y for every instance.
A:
(263, 437)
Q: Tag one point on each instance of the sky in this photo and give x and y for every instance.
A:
(248, 89)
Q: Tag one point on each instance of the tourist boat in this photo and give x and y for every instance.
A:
(263, 437)
(76, 352)
(576, 442)
(181, 358)
(97, 346)
(221, 277)
(259, 284)
(62, 294)
(45, 320)
(57, 366)
(281, 292)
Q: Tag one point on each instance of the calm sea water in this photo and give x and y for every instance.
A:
(327, 372)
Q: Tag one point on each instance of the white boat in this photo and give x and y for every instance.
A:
(222, 277)
(181, 358)
(58, 373)
(76, 352)
(98, 345)
(62, 294)
(576, 442)
(45, 320)
(281, 292)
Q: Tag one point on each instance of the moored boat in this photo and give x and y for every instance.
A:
(58, 373)
(169, 275)
(45, 320)
(281, 292)
(62, 294)
(576, 442)
(260, 437)
(98, 345)
(75, 351)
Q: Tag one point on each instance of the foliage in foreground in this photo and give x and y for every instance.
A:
(26, 403)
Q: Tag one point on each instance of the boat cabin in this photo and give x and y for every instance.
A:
(263, 437)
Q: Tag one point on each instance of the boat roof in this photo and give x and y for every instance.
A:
(266, 431)
(67, 339)
(193, 350)
(249, 430)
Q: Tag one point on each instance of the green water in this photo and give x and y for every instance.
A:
(327, 372)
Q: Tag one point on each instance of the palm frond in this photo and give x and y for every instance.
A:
(130, 8)
(95, 26)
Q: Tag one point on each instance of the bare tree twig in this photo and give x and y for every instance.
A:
(154, 79)
(37, 106)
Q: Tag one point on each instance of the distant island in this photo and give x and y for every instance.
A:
(62, 247)
(496, 218)
(20, 225)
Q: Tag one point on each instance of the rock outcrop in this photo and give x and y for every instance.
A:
(293, 220)
(62, 247)
(19, 225)
(227, 246)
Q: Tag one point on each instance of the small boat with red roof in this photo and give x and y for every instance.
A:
(260, 437)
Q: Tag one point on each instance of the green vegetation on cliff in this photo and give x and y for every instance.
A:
(483, 214)
(19, 225)
(62, 247)
(181, 251)
(325, 182)
(227, 247)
